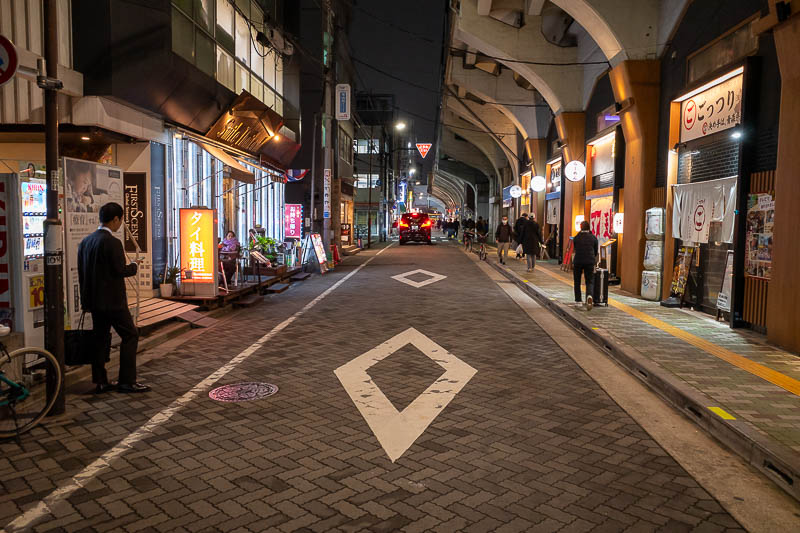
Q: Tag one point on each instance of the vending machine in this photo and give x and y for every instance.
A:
(26, 210)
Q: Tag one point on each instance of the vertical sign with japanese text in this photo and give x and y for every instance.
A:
(6, 312)
(135, 214)
(198, 251)
(343, 101)
(293, 221)
(713, 110)
(326, 194)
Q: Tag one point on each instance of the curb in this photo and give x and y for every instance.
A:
(775, 461)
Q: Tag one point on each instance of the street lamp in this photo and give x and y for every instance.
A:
(400, 126)
(412, 171)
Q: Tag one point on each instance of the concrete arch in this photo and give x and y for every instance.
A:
(560, 86)
(495, 122)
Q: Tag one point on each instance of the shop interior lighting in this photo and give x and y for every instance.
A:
(610, 136)
(400, 126)
(712, 83)
(84, 138)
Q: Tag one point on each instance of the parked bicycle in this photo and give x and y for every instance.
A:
(26, 375)
(482, 246)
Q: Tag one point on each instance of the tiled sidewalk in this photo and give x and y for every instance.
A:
(768, 408)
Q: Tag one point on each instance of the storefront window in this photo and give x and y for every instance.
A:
(242, 40)
(206, 52)
(242, 79)
(224, 34)
(204, 14)
(225, 68)
(269, 69)
(182, 36)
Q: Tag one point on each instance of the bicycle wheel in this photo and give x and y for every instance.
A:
(32, 368)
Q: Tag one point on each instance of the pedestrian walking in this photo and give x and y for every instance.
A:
(102, 270)
(456, 225)
(517, 232)
(586, 253)
(530, 238)
(503, 236)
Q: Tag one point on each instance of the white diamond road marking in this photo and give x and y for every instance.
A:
(417, 284)
(397, 431)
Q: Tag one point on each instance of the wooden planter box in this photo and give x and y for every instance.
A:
(273, 271)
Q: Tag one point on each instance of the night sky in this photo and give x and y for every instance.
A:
(377, 38)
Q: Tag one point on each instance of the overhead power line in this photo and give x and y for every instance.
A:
(419, 36)
(540, 63)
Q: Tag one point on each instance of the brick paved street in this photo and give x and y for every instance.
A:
(530, 443)
(771, 411)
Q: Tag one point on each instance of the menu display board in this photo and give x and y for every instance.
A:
(724, 296)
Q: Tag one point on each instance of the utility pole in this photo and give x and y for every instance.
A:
(53, 236)
(370, 147)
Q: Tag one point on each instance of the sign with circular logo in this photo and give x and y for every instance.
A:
(699, 217)
(515, 191)
(8, 60)
(538, 183)
(690, 115)
(575, 171)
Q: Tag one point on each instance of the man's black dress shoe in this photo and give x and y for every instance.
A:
(103, 387)
(132, 387)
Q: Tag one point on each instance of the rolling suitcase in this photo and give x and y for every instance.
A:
(600, 287)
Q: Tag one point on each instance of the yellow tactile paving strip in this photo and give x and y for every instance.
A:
(776, 378)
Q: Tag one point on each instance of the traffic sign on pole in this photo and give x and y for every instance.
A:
(8, 60)
(423, 149)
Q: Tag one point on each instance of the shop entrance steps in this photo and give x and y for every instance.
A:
(350, 250)
(302, 276)
(197, 320)
(277, 288)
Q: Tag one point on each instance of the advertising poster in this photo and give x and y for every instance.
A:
(508, 200)
(36, 292)
(724, 296)
(760, 223)
(602, 218)
(683, 263)
(88, 186)
(136, 218)
(158, 211)
(553, 211)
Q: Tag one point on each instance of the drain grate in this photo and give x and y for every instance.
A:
(243, 392)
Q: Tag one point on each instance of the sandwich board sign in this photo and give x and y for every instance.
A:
(423, 148)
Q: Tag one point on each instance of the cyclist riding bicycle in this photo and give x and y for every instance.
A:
(469, 237)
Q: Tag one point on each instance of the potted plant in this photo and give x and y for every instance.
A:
(167, 287)
(267, 247)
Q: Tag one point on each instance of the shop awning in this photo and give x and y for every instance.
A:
(237, 170)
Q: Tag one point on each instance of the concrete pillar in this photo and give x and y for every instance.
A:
(636, 86)
(571, 129)
(784, 291)
(537, 152)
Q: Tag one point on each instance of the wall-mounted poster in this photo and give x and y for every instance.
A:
(760, 223)
(602, 217)
(683, 263)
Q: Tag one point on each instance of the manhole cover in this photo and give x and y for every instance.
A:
(243, 392)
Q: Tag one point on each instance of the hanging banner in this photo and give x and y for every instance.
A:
(760, 224)
(602, 218)
(293, 221)
(135, 209)
(716, 109)
(326, 194)
(88, 186)
(158, 211)
(697, 205)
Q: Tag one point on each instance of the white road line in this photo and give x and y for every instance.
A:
(103, 462)
(404, 278)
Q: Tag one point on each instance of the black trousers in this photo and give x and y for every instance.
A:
(122, 322)
(588, 273)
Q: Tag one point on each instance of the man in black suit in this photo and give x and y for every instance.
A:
(102, 270)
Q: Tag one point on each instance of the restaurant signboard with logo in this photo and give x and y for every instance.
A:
(713, 110)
